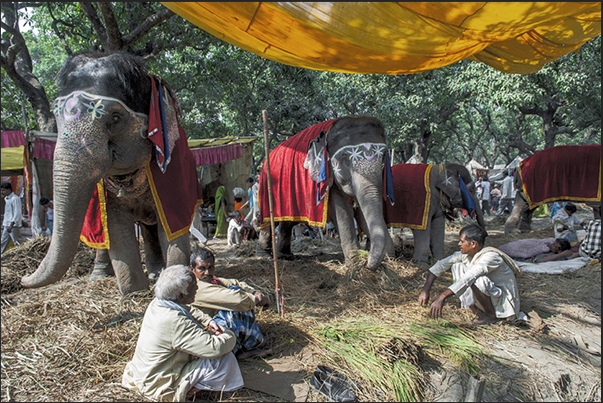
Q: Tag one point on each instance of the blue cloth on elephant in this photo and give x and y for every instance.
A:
(468, 202)
(244, 326)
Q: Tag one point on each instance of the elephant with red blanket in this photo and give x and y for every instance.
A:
(562, 173)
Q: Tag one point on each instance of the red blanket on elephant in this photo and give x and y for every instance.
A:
(412, 195)
(293, 190)
(562, 173)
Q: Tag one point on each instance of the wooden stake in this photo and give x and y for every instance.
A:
(280, 302)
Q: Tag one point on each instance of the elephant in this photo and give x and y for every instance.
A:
(427, 193)
(322, 171)
(561, 173)
(117, 132)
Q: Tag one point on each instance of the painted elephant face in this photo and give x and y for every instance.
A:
(90, 125)
(365, 159)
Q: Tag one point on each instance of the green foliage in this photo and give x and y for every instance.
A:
(451, 114)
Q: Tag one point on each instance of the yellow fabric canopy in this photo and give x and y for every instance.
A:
(399, 38)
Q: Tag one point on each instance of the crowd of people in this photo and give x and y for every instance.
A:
(496, 197)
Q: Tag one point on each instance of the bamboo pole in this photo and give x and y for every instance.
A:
(280, 303)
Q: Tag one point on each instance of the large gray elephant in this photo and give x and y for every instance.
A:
(109, 175)
(562, 173)
(348, 154)
(424, 194)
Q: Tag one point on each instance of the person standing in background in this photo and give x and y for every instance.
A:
(221, 213)
(47, 207)
(506, 201)
(485, 198)
(13, 217)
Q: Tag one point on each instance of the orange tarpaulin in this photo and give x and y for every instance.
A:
(399, 38)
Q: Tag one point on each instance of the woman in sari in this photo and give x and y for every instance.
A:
(221, 213)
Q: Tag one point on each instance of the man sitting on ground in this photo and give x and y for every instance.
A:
(230, 302)
(590, 247)
(483, 278)
(174, 354)
(566, 223)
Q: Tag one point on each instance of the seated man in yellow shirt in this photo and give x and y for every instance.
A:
(230, 302)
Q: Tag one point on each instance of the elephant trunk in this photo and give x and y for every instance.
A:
(72, 192)
(371, 205)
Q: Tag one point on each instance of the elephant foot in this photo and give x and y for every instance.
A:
(286, 256)
(98, 275)
(261, 252)
(101, 271)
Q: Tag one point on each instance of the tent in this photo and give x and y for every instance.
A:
(399, 37)
(496, 172)
(222, 161)
(27, 165)
(476, 169)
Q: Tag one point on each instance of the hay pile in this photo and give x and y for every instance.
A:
(71, 342)
(25, 259)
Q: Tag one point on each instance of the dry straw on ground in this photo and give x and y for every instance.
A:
(70, 341)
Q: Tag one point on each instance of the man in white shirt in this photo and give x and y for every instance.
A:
(506, 200)
(565, 223)
(483, 279)
(13, 218)
(485, 197)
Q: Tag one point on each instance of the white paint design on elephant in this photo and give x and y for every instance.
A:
(355, 153)
(63, 108)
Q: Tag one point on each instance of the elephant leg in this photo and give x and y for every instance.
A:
(102, 265)
(153, 251)
(421, 239)
(438, 232)
(124, 250)
(345, 223)
(525, 221)
(283, 240)
(263, 247)
(178, 250)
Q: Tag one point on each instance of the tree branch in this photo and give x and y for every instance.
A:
(114, 37)
(55, 28)
(92, 15)
(151, 21)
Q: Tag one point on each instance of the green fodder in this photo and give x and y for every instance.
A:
(450, 341)
(385, 359)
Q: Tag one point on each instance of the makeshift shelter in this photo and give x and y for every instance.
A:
(476, 169)
(27, 165)
(399, 37)
(496, 172)
(222, 161)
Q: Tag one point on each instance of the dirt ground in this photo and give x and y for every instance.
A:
(70, 341)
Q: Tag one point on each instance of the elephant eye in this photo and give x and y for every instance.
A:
(115, 117)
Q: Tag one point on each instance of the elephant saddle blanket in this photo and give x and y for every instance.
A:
(562, 173)
(176, 193)
(294, 193)
(412, 195)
